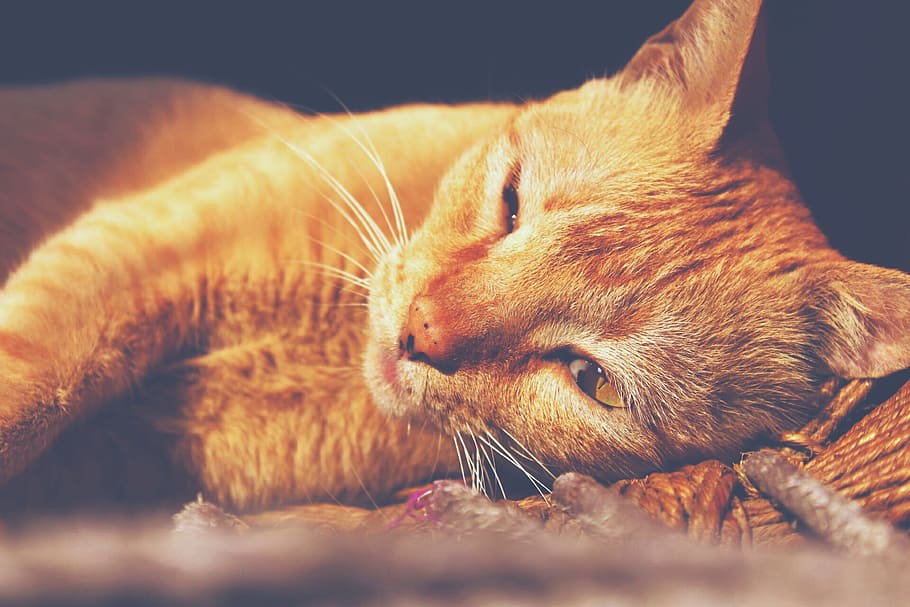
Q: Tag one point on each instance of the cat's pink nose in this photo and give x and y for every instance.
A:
(424, 337)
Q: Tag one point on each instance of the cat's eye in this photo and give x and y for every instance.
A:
(510, 202)
(592, 380)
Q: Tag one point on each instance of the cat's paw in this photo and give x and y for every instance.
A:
(26, 426)
(201, 516)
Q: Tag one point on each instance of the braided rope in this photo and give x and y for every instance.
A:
(869, 463)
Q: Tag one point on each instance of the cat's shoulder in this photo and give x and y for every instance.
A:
(83, 96)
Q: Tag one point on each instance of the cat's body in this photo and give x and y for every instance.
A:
(184, 252)
(271, 341)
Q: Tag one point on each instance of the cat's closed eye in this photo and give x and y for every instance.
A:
(510, 201)
(592, 380)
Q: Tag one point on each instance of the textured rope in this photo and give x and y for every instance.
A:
(869, 463)
(697, 499)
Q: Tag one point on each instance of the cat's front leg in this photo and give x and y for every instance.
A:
(123, 288)
(274, 421)
(30, 413)
(80, 321)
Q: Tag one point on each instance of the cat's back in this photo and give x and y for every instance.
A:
(123, 134)
(67, 146)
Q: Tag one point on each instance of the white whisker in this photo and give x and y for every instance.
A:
(528, 454)
(396, 230)
(498, 447)
(352, 279)
(357, 291)
(344, 255)
(491, 462)
(365, 226)
(373, 154)
(481, 484)
(468, 462)
(374, 238)
(464, 477)
(399, 230)
(335, 229)
(374, 246)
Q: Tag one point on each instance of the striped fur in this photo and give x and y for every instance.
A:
(192, 299)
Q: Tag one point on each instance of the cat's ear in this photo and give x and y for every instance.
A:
(863, 317)
(714, 58)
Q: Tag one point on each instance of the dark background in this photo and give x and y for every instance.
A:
(840, 71)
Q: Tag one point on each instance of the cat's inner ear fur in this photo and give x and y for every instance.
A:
(862, 316)
(713, 58)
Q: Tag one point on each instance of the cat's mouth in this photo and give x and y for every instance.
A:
(401, 387)
(388, 365)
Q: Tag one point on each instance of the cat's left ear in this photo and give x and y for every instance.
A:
(861, 316)
(714, 59)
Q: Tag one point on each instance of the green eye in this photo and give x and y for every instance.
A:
(593, 382)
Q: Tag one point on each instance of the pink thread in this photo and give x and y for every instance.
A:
(415, 508)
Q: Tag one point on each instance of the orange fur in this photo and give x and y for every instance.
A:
(180, 254)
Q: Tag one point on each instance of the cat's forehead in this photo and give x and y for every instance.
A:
(601, 108)
(600, 139)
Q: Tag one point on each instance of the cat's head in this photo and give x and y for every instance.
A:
(625, 277)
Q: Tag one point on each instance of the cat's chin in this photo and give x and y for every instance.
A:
(387, 386)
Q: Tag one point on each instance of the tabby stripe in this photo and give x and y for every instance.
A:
(201, 302)
(668, 278)
(217, 299)
(21, 348)
(715, 241)
(727, 214)
(787, 268)
(720, 190)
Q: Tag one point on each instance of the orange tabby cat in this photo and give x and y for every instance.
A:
(207, 291)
